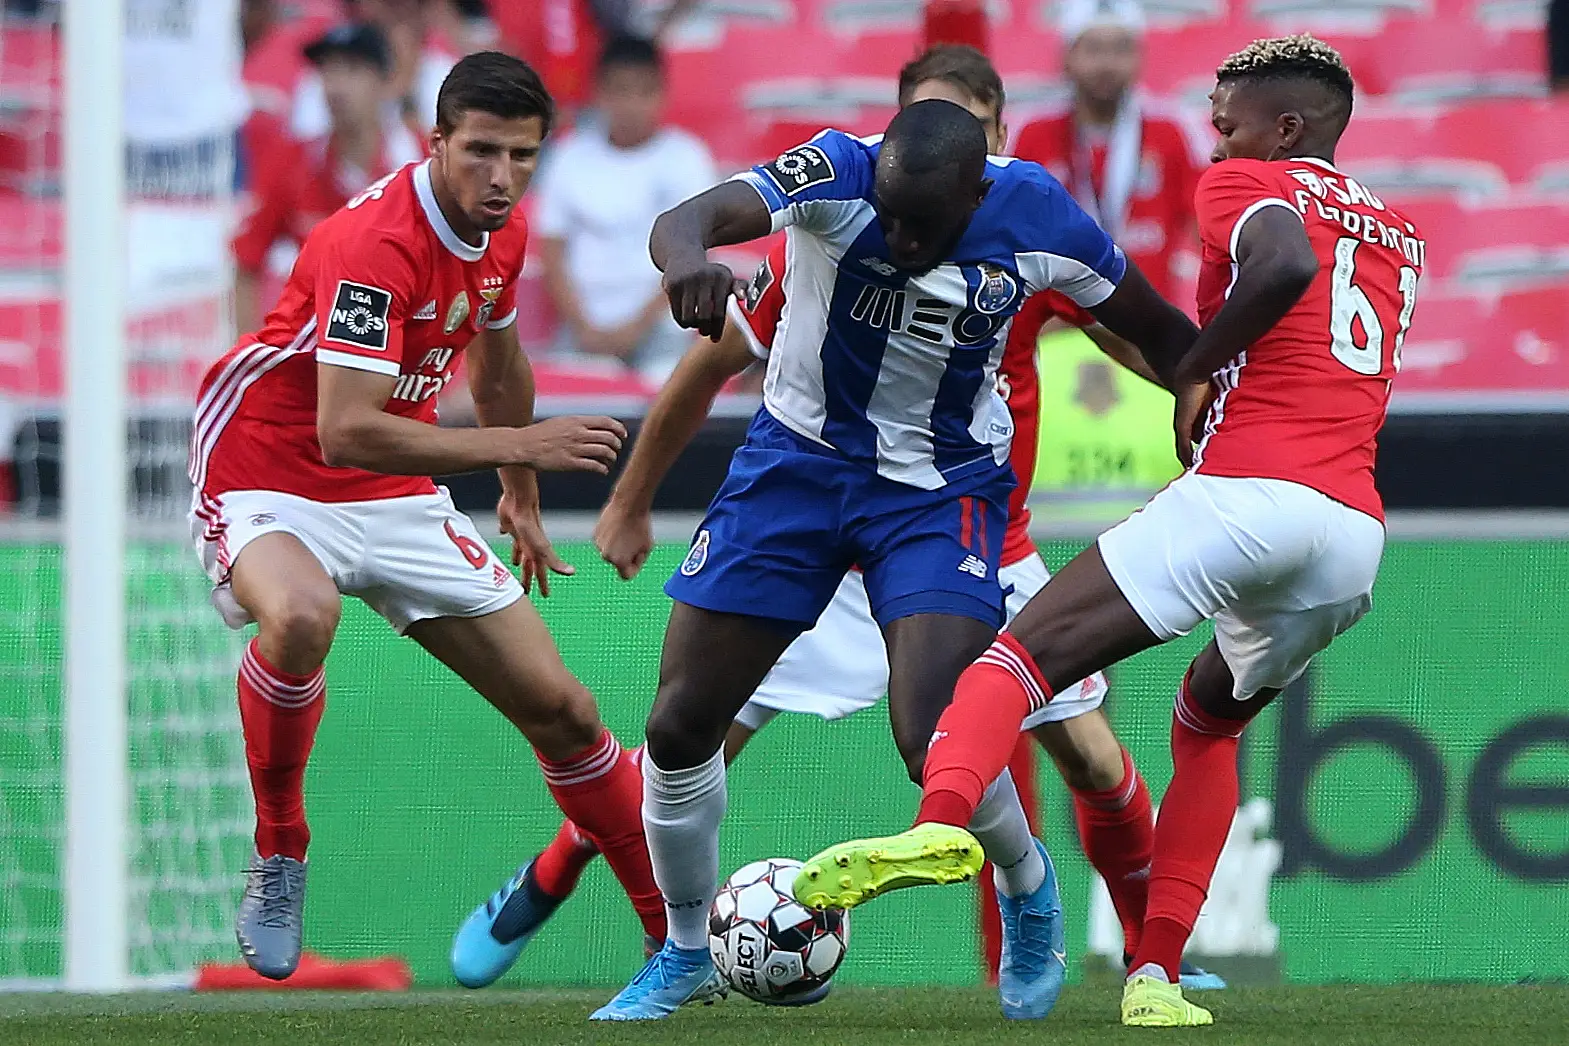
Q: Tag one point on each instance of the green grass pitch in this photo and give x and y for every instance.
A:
(1324, 1016)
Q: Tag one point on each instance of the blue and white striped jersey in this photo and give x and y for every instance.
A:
(895, 370)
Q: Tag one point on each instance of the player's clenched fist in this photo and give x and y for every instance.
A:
(572, 444)
(698, 292)
(624, 538)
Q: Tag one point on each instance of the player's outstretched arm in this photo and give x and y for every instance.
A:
(1136, 313)
(355, 431)
(624, 534)
(1122, 352)
(730, 212)
(1276, 265)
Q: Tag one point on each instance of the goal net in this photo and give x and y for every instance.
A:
(185, 791)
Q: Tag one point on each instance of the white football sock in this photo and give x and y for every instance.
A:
(681, 814)
(1004, 833)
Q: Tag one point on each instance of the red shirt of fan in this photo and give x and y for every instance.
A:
(1018, 377)
(301, 185)
(1305, 402)
(1157, 218)
(384, 285)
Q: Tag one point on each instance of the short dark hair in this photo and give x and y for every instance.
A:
(626, 49)
(1287, 58)
(960, 65)
(494, 83)
(935, 135)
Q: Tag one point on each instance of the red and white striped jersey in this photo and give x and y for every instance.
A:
(1305, 402)
(384, 285)
(1018, 375)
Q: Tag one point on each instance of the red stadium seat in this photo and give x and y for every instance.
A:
(1457, 231)
(1471, 351)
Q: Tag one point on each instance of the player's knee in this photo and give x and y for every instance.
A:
(677, 741)
(560, 720)
(303, 626)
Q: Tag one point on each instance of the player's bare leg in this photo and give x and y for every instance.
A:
(711, 664)
(509, 658)
(282, 690)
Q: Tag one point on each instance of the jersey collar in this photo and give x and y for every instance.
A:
(438, 221)
(1316, 162)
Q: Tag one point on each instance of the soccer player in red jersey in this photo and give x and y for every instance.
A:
(1111, 803)
(312, 454)
(1275, 532)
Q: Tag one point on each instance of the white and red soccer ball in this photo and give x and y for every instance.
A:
(769, 947)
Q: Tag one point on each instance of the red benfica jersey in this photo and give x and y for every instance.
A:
(384, 285)
(1018, 377)
(301, 185)
(1305, 402)
(1159, 206)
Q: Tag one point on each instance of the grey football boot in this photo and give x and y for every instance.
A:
(270, 922)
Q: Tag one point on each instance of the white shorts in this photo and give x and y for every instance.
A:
(402, 556)
(1281, 568)
(840, 666)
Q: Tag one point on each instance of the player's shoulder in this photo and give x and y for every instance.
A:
(832, 164)
(1241, 175)
(1018, 180)
(384, 215)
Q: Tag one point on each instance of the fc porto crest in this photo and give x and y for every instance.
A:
(997, 290)
(697, 556)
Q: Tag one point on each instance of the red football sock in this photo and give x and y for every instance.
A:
(977, 734)
(1195, 817)
(279, 713)
(559, 865)
(601, 789)
(1117, 831)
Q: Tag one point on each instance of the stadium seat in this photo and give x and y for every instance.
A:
(1457, 231)
(1473, 349)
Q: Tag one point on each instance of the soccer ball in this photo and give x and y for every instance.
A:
(767, 946)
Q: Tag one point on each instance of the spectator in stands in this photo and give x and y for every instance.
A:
(273, 65)
(420, 61)
(303, 182)
(561, 37)
(1131, 167)
(596, 200)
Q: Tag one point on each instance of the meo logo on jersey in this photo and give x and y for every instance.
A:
(800, 169)
(359, 316)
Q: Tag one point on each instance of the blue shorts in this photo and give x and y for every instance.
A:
(793, 516)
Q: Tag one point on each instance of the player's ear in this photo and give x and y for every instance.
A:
(435, 142)
(1289, 126)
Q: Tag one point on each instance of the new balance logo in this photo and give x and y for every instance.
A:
(974, 566)
(879, 266)
(426, 311)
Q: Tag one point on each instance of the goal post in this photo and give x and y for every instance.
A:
(94, 503)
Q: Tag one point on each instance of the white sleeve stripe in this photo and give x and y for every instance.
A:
(502, 324)
(1254, 208)
(353, 362)
(737, 317)
(1043, 270)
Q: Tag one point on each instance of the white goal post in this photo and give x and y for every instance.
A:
(94, 502)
